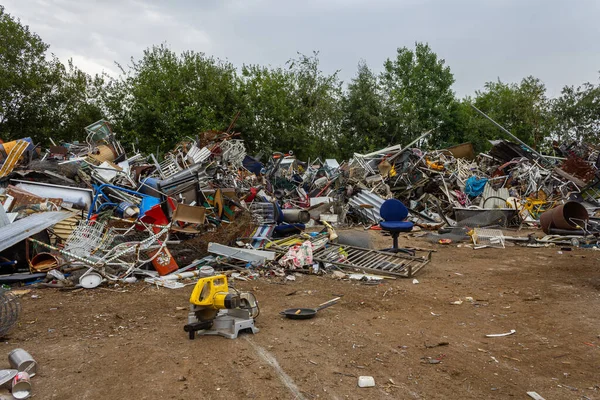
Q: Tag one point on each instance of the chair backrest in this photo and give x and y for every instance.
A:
(393, 210)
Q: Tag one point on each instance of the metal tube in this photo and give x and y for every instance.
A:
(503, 129)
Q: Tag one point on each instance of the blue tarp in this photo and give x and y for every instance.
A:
(474, 186)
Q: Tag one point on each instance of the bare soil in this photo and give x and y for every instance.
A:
(129, 343)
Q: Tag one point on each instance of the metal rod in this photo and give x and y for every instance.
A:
(503, 129)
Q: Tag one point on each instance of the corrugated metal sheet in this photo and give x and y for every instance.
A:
(493, 198)
(369, 199)
(63, 229)
(29, 226)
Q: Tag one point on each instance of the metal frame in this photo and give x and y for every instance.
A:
(373, 261)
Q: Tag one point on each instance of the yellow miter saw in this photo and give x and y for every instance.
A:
(217, 310)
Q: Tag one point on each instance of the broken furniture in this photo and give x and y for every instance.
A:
(394, 214)
(186, 219)
(130, 200)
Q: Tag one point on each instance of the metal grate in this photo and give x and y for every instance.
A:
(374, 261)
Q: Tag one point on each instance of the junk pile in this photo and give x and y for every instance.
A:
(461, 194)
(83, 214)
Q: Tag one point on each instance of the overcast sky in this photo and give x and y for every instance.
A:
(481, 40)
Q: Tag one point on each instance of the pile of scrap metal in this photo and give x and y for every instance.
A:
(82, 214)
(509, 186)
(79, 214)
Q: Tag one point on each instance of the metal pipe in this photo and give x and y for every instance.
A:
(503, 129)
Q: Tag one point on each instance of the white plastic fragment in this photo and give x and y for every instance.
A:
(535, 396)
(415, 282)
(366, 381)
(512, 331)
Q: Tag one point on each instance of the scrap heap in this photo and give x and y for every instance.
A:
(79, 214)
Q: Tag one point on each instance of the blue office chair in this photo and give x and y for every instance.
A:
(394, 214)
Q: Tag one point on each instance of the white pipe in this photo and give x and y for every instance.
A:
(183, 275)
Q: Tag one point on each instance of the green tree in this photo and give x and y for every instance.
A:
(297, 108)
(318, 108)
(267, 120)
(521, 108)
(39, 96)
(165, 97)
(577, 113)
(74, 104)
(27, 80)
(417, 92)
(362, 105)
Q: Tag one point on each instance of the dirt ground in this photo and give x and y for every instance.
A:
(129, 343)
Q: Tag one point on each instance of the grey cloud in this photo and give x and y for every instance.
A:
(554, 40)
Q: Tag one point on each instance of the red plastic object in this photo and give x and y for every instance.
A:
(164, 263)
(252, 195)
(155, 216)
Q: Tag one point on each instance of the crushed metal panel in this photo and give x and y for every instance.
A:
(4, 221)
(196, 155)
(332, 163)
(81, 197)
(240, 254)
(29, 226)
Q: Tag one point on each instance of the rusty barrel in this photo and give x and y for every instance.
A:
(565, 216)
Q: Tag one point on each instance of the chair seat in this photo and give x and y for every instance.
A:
(396, 226)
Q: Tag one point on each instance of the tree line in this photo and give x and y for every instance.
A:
(164, 97)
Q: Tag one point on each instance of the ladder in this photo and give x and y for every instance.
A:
(13, 157)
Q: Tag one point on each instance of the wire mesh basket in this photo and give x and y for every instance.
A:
(88, 238)
(10, 309)
(488, 238)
